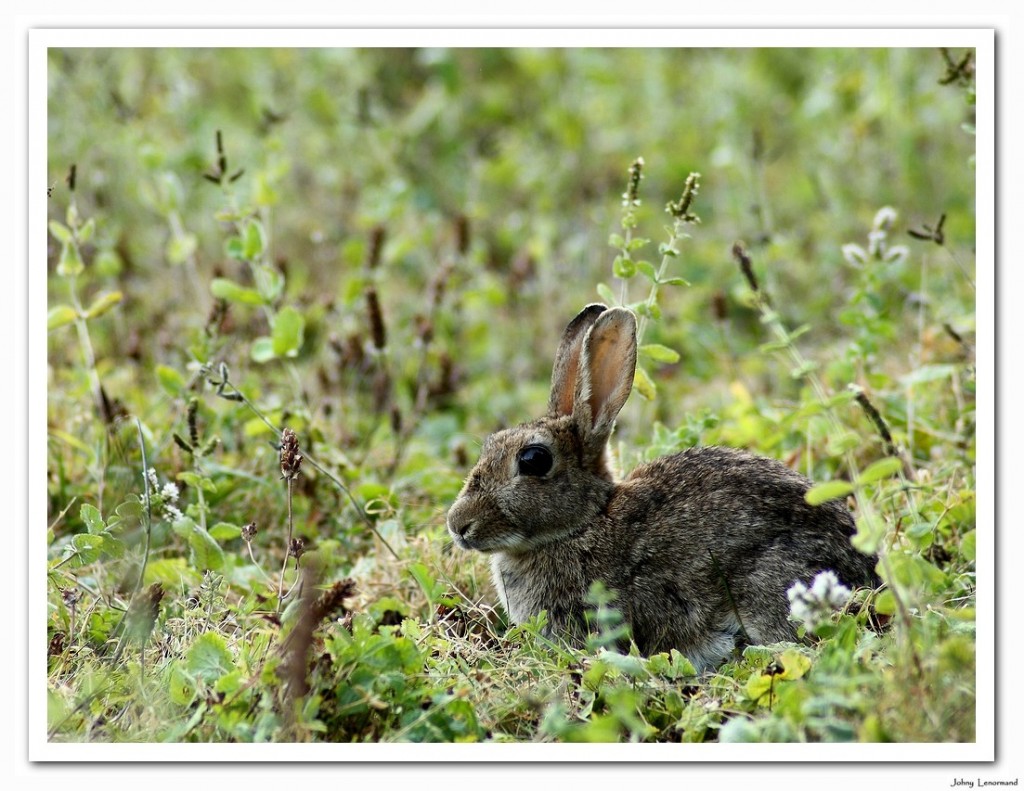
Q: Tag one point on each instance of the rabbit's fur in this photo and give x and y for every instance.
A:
(699, 547)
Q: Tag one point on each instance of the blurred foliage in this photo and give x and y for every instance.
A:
(378, 249)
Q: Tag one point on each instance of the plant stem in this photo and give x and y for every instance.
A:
(149, 508)
(652, 296)
(87, 351)
(287, 548)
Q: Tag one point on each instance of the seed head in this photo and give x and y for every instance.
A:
(680, 209)
(630, 197)
(291, 460)
(71, 596)
(739, 252)
(249, 532)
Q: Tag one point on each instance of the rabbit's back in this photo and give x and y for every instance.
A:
(715, 539)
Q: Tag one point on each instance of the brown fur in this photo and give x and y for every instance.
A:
(699, 547)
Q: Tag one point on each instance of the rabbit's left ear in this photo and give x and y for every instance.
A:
(605, 379)
(565, 374)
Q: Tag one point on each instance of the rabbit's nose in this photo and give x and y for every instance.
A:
(460, 528)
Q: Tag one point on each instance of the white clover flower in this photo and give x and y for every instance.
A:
(814, 606)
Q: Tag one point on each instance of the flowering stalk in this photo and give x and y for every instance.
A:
(291, 460)
(681, 217)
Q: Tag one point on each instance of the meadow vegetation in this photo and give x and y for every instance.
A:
(291, 291)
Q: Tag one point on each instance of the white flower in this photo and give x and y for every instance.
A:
(151, 475)
(170, 492)
(884, 218)
(172, 514)
(815, 605)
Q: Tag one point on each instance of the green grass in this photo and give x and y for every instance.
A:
(380, 257)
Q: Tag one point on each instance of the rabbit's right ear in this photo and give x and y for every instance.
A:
(605, 379)
(567, 361)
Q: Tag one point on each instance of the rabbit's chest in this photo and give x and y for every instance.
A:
(527, 585)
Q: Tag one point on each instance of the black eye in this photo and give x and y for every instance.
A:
(535, 460)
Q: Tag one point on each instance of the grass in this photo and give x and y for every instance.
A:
(371, 254)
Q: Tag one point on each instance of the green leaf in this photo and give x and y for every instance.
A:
(623, 268)
(196, 480)
(224, 531)
(606, 294)
(85, 233)
(967, 545)
(209, 658)
(644, 384)
(632, 666)
(795, 663)
(616, 241)
(674, 281)
(869, 535)
(883, 468)
(807, 367)
(113, 547)
(181, 247)
(659, 353)
(129, 509)
(181, 686)
(255, 240)
(103, 303)
(206, 553)
(107, 263)
(170, 379)
(228, 216)
(646, 268)
(70, 264)
(234, 248)
(829, 490)
(432, 589)
(841, 442)
(919, 528)
(928, 373)
(173, 573)
(885, 603)
(222, 288)
(269, 282)
(229, 683)
(61, 232)
(90, 514)
(87, 548)
(288, 332)
(262, 350)
(59, 316)
(916, 573)
(758, 687)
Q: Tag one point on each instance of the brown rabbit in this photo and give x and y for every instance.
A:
(699, 547)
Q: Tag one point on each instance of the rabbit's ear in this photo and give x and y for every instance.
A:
(605, 378)
(565, 373)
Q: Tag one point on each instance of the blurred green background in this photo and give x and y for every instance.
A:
(522, 151)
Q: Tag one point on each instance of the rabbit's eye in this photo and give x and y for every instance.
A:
(535, 460)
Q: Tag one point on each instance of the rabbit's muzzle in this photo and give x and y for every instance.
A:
(464, 524)
(462, 533)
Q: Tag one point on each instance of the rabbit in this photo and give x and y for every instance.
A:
(699, 547)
